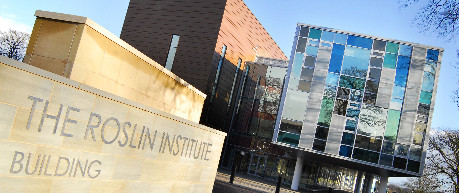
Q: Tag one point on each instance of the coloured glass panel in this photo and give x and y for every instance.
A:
(370, 98)
(318, 145)
(345, 151)
(375, 74)
(393, 120)
(312, 50)
(327, 36)
(301, 46)
(396, 104)
(425, 97)
(365, 155)
(288, 138)
(415, 153)
(386, 160)
(432, 55)
(413, 166)
(356, 95)
(388, 147)
(347, 139)
(420, 127)
(306, 74)
(304, 31)
(340, 107)
(321, 132)
(392, 47)
(355, 62)
(405, 50)
(376, 62)
(353, 113)
(398, 92)
(330, 91)
(428, 81)
(340, 38)
(390, 61)
(423, 109)
(291, 126)
(315, 33)
(309, 61)
(336, 59)
(351, 125)
(332, 79)
(418, 138)
(297, 63)
(304, 85)
(343, 93)
(372, 121)
(399, 163)
(359, 41)
(379, 45)
(401, 150)
(372, 86)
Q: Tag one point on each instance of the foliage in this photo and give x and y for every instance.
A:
(428, 182)
(440, 16)
(13, 44)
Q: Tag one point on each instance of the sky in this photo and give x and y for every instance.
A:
(382, 18)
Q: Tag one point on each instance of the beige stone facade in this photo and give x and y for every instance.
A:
(59, 135)
(78, 48)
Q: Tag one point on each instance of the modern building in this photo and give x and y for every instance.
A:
(204, 42)
(357, 101)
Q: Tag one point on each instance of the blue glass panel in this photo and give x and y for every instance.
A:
(432, 55)
(336, 58)
(326, 45)
(351, 82)
(428, 81)
(401, 77)
(356, 95)
(330, 91)
(430, 69)
(396, 104)
(405, 50)
(312, 50)
(431, 63)
(354, 113)
(425, 97)
(332, 79)
(403, 62)
(327, 36)
(315, 33)
(314, 42)
(345, 151)
(398, 92)
(390, 61)
(297, 63)
(351, 125)
(340, 38)
(359, 42)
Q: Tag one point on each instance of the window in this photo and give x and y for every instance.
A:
(172, 51)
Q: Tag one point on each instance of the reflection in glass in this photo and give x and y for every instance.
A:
(398, 92)
(332, 79)
(340, 107)
(401, 150)
(351, 82)
(340, 38)
(399, 163)
(423, 109)
(418, 138)
(413, 166)
(348, 139)
(379, 45)
(415, 153)
(372, 86)
(390, 60)
(393, 120)
(343, 93)
(318, 145)
(326, 111)
(315, 33)
(330, 91)
(353, 113)
(365, 155)
(396, 104)
(288, 138)
(356, 105)
(420, 127)
(321, 132)
(294, 105)
(351, 125)
(388, 147)
(428, 81)
(425, 97)
(345, 151)
(386, 160)
(355, 62)
(432, 55)
(392, 47)
(336, 59)
(359, 41)
(356, 95)
(372, 121)
(405, 50)
(309, 61)
(291, 126)
(370, 98)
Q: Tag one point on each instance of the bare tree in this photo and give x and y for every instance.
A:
(440, 16)
(427, 183)
(444, 159)
(13, 44)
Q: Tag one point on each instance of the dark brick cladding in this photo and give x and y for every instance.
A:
(149, 26)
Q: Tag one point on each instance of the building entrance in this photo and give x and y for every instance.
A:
(257, 165)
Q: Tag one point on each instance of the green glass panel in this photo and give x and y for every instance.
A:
(288, 138)
(351, 82)
(393, 120)
(426, 97)
(315, 33)
(326, 111)
(392, 47)
(389, 61)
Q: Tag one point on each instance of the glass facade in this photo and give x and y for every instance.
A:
(371, 84)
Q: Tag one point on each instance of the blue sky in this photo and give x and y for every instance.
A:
(377, 17)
